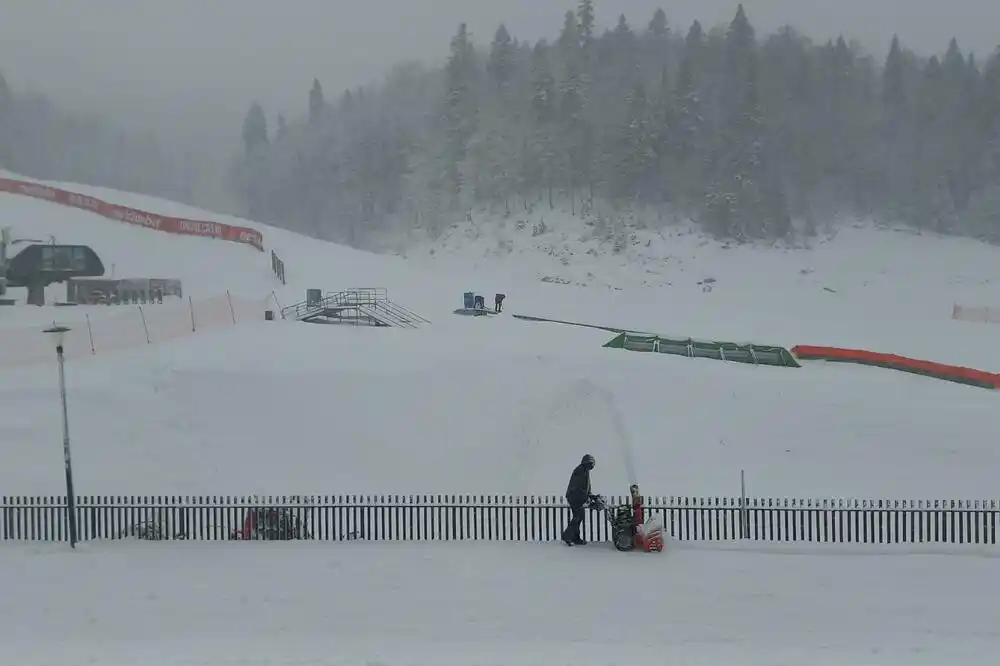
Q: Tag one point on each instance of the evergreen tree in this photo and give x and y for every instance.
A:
(637, 146)
(625, 48)
(542, 162)
(460, 114)
(573, 138)
(568, 44)
(685, 135)
(585, 24)
(745, 199)
(501, 61)
(894, 97)
(658, 25)
(254, 130)
(738, 133)
(317, 102)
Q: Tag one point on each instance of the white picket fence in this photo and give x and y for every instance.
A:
(103, 329)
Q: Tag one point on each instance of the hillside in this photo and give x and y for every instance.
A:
(510, 401)
(652, 277)
(495, 405)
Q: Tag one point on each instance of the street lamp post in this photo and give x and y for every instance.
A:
(59, 332)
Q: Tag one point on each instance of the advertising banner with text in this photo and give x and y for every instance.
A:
(170, 225)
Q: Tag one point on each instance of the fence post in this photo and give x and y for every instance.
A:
(232, 312)
(275, 297)
(144, 327)
(191, 309)
(90, 332)
(744, 510)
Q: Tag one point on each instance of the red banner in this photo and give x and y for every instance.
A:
(170, 225)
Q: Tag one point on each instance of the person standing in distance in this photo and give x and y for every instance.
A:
(577, 494)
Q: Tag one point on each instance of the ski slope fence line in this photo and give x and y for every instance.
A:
(171, 225)
(506, 518)
(980, 314)
(101, 329)
(951, 373)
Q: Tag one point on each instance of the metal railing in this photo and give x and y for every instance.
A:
(370, 302)
(509, 518)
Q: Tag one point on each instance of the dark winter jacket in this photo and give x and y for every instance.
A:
(578, 490)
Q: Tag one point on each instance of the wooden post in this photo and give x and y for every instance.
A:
(744, 510)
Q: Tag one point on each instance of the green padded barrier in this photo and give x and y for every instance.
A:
(641, 343)
(722, 351)
(617, 342)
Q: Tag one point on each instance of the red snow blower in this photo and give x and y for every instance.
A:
(629, 529)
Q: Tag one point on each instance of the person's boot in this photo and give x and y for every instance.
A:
(579, 542)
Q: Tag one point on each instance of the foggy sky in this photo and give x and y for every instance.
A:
(194, 66)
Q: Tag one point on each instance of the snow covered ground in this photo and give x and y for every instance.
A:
(502, 406)
(507, 407)
(859, 284)
(475, 604)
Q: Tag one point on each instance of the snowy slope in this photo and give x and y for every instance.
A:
(498, 405)
(858, 285)
(206, 267)
(282, 408)
(882, 289)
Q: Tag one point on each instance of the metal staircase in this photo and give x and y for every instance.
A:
(367, 306)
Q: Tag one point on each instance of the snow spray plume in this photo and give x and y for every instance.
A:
(624, 442)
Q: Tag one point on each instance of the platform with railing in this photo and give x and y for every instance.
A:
(363, 306)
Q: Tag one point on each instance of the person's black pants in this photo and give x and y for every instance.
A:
(572, 531)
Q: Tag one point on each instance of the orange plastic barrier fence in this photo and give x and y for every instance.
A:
(955, 373)
(103, 329)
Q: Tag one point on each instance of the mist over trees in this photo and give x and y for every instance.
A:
(753, 137)
(42, 140)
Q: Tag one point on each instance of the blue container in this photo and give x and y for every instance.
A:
(469, 300)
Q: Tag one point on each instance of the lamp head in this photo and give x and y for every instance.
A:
(59, 332)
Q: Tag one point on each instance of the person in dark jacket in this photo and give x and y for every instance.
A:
(577, 494)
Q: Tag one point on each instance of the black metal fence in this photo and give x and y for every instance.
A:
(278, 267)
(496, 518)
